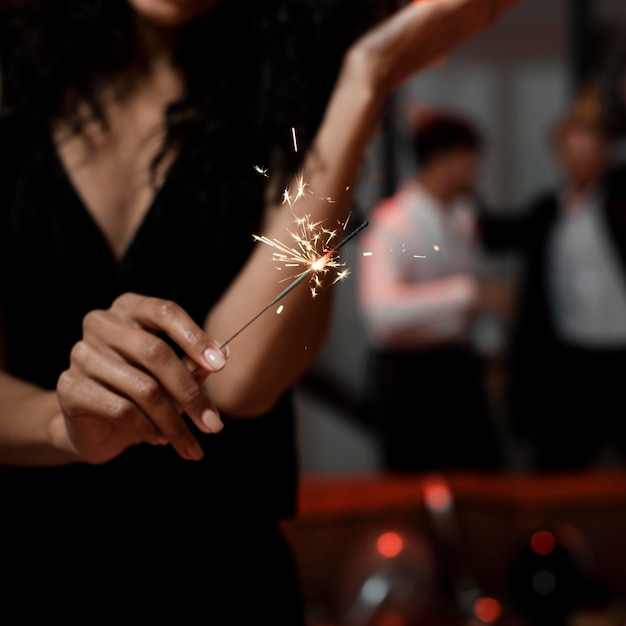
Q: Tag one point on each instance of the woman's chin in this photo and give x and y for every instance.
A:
(173, 12)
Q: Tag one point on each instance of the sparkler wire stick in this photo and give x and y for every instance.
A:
(297, 281)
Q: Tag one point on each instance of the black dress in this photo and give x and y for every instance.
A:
(147, 533)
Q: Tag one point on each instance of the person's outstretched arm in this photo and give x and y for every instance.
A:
(277, 349)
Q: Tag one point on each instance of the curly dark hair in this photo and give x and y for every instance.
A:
(252, 69)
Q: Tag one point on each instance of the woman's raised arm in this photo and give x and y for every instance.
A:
(277, 349)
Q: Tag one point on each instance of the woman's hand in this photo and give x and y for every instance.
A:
(126, 384)
(418, 35)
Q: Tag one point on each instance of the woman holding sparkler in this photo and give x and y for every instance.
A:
(142, 144)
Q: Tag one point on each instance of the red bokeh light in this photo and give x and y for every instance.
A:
(389, 544)
(487, 610)
(542, 542)
(437, 496)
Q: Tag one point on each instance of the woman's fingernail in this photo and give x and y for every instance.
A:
(215, 358)
(212, 421)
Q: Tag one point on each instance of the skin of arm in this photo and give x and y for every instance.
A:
(36, 434)
(270, 356)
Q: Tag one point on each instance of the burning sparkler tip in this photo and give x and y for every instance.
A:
(304, 254)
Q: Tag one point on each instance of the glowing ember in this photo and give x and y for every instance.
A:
(318, 265)
(305, 257)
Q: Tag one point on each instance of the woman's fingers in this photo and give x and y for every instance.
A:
(161, 419)
(155, 375)
(101, 423)
(206, 356)
(169, 318)
(210, 420)
(126, 382)
(153, 355)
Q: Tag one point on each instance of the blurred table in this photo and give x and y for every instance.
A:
(473, 524)
(331, 494)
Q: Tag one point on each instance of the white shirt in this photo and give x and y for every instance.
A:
(417, 263)
(586, 282)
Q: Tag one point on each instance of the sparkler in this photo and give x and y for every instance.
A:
(305, 254)
(309, 238)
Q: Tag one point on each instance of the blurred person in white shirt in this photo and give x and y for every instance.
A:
(419, 294)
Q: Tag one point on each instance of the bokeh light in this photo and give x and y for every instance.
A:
(543, 582)
(437, 496)
(542, 542)
(487, 610)
(389, 544)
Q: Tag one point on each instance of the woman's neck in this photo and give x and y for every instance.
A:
(156, 44)
(153, 77)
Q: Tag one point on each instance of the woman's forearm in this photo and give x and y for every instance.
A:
(32, 428)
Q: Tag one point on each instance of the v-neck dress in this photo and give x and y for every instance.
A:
(148, 507)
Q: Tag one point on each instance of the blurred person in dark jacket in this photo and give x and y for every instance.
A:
(567, 348)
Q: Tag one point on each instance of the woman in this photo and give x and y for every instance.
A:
(133, 147)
